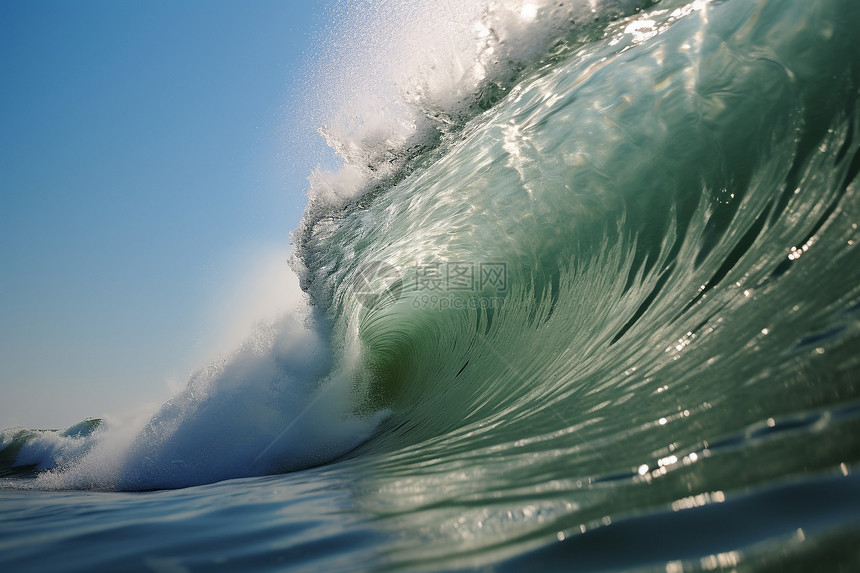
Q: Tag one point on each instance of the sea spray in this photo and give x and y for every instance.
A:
(394, 81)
(285, 399)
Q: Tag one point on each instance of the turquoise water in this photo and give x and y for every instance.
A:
(600, 314)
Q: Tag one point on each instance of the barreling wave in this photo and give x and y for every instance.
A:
(631, 192)
(609, 244)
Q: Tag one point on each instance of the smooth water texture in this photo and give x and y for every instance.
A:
(585, 299)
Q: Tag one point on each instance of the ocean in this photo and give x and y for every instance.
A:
(583, 296)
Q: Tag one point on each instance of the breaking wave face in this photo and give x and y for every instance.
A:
(570, 243)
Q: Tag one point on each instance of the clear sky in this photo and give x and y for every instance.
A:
(140, 183)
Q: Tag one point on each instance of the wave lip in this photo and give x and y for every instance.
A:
(405, 78)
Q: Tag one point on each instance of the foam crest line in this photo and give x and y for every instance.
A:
(398, 77)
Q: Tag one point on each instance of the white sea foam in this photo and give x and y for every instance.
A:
(48, 448)
(396, 75)
(284, 400)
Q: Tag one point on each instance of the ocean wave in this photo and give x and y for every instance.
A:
(595, 241)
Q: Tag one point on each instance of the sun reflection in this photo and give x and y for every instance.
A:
(797, 252)
(721, 560)
(528, 12)
(698, 500)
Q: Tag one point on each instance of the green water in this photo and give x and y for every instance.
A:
(677, 222)
(609, 323)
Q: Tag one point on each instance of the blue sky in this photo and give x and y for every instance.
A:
(139, 179)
